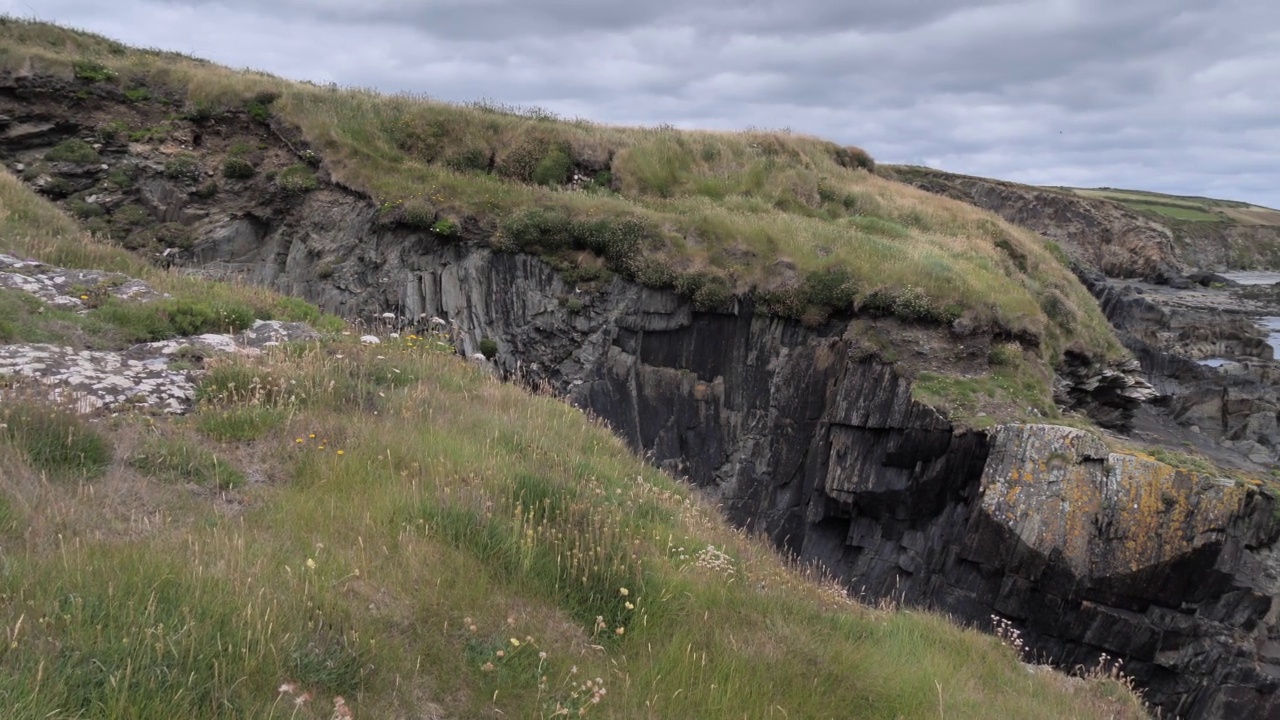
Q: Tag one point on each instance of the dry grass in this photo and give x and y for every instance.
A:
(415, 539)
(426, 535)
(714, 214)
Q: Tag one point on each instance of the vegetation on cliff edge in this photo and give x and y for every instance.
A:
(403, 536)
(798, 224)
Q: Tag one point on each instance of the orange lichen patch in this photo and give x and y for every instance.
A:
(1160, 512)
(1106, 514)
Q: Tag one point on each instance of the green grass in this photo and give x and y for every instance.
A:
(239, 424)
(53, 440)
(426, 542)
(1175, 211)
(1185, 207)
(1013, 390)
(395, 557)
(711, 214)
(176, 460)
(24, 318)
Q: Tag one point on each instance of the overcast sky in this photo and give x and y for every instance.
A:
(1176, 96)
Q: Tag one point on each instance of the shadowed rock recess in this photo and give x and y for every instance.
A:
(1087, 552)
(803, 435)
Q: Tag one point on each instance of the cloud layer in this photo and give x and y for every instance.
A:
(1145, 94)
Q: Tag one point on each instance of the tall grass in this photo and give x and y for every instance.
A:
(745, 212)
(451, 545)
(54, 440)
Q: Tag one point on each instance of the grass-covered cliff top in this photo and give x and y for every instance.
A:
(799, 224)
(347, 531)
(1186, 207)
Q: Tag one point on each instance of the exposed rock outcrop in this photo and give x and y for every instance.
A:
(1096, 233)
(807, 438)
(825, 451)
(1166, 312)
(140, 378)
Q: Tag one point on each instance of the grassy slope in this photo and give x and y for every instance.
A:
(787, 217)
(413, 536)
(1184, 207)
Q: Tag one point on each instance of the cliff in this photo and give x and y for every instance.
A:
(1114, 238)
(803, 438)
(805, 431)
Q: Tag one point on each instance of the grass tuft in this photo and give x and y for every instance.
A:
(54, 440)
(181, 461)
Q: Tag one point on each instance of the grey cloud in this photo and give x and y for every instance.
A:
(1089, 92)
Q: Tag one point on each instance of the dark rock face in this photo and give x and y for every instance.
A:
(808, 440)
(1086, 551)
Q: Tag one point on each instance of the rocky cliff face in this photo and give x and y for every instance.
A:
(802, 433)
(805, 439)
(1106, 235)
(1144, 275)
(1097, 233)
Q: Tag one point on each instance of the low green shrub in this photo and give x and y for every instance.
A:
(546, 230)
(833, 287)
(127, 218)
(468, 160)
(908, 303)
(445, 227)
(258, 111)
(175, 317)
(84, 210)
(182, 167)
(298, 178)
(553, 169)
(1004, 354)
(1058, 309)
(73, 151)
(237, 168)
(164, 235)
(518, 161)
(92, 70)
(201, 112)
(123, 175)
(854, 158)
(707, 290)
(652, 272)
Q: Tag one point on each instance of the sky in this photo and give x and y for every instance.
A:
(1180, 97)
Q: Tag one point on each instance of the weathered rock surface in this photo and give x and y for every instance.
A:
(91, 380)
(832, 458)
(1096, 233)
(806, 438)
(66, 288)
(140, 378)
(1142, 558)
